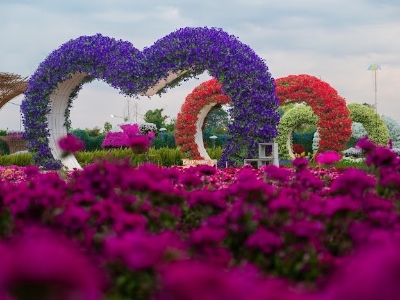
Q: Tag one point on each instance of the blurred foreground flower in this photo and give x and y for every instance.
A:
(328, 158)
(70, 144)
(45, 266)
(139, 143)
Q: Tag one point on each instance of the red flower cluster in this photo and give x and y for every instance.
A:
(298, 148)
(185, 127)
(334, 125)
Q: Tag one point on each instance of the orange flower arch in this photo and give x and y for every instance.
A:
(189, 123)
(334, 123)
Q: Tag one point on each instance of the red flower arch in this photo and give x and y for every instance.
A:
(189, 123)
(334, 123)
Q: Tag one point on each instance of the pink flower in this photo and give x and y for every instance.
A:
(141, 250)
(264, 240)
(130, 129)
(371, 273)
(328, 157)
(151, 135)
(115, 140)
(70, 144)
(139, 143)
(40, 265)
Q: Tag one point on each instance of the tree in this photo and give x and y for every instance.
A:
(217, 120)
(96, 131)
(107, 127)
(155, 117)
(171, 125)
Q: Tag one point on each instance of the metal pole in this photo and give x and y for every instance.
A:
(376, 101)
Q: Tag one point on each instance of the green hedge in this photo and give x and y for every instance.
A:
(22, 160)
(92, 143)
(164, 140)
(164, 156)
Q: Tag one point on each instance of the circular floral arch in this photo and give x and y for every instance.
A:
(372, 122)
(334, 123)
(294, 117)
(189, 123)
(182, 54)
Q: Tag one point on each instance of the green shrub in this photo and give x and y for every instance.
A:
(22, 160)
(92, 143)
(163, 156)
(168, 157)
(4, 149)
(164, 140)
(215, 153)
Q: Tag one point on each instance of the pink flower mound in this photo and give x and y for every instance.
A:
(328, 158)
(130, 137)
(131, 129)
(115, 140)
(139, 143)
(44, 266)
(70, 144)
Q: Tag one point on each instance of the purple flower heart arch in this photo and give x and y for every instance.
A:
(178, 56)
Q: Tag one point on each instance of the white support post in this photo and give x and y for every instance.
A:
(275, 154)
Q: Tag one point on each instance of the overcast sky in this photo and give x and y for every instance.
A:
(335, 40)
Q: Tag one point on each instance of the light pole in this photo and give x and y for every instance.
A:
(115, 116)
(375, 67)
(162, 130)
(20, 115)
(213, 138)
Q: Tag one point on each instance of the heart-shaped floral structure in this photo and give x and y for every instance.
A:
(182, 54)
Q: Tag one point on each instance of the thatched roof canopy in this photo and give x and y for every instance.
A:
(11, 85)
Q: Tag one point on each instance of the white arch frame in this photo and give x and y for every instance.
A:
(59, 103)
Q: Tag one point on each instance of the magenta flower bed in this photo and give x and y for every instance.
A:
(131, 136)
(119, 232)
